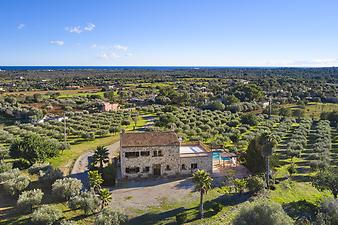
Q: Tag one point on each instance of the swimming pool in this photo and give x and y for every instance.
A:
(217, 156)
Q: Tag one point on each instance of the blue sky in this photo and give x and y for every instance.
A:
(169, 32)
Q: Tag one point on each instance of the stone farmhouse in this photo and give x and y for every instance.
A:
(151, 154)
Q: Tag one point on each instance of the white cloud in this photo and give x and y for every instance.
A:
(75, 29)
(78, 29)
(324, 62)
(21, 26)
(109, 56)
(57, 42)
(120, 47)
(314, 62)
(89, 27)
(112, 52)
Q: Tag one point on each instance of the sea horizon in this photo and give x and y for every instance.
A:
(51, 68)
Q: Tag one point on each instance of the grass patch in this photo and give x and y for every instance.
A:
(65, 160)
(314, 109)
(81, 94)
(291, 191)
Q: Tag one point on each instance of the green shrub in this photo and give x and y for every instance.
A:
(239, 185)
(255, 184)
(109, 175)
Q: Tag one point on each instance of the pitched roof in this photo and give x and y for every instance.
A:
(149, 139)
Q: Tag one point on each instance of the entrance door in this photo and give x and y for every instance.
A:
(157, 169)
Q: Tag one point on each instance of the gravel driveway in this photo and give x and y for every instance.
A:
(151, 192)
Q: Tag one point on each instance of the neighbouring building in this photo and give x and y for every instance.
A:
(52, 118)
(107, 107)
(151, 154)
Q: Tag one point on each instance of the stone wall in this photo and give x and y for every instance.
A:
(203, 163)
(171, 158)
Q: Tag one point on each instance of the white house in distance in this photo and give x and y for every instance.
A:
(151, 154)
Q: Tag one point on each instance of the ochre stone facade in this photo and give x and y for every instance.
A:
(203, 162)
(150, 161)
(168, 160)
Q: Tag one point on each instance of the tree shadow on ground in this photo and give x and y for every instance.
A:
(302, 163)
(153, 182)
(83, 177)
(301, 178)
(301, 209)
(152, 218)
(193, 213)
(79, 217)
(303, 170)
(185, 184)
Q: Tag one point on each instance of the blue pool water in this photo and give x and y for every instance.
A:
(217, 156)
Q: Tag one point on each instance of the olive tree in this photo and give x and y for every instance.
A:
(68, 222)
(327, 180)
(16, 185)
(328, 212)
(87, 201)
(50, 175)
(10, 174)
(46, 215)
(110, 217)
(29, 199)
(67, 187)
(262, 213)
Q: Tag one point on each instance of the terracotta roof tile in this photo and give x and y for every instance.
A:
(148, 139)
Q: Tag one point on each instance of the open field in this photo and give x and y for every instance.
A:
(314, 109)
(63, 93)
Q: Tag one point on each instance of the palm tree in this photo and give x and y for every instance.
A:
(95, 180)
(202, 182)
(105, 197)
(101, 155)
(267, 142)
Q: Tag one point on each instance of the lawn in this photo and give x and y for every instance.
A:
(292, 191)
(65, 160)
